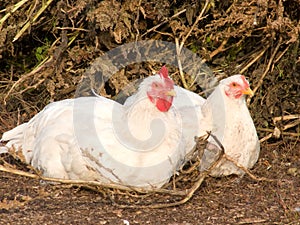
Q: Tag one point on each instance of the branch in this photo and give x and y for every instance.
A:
(254, 60)
(88, 183)
(45, 62)
(260, 82)
(162, 23)
(194, 25)
(179, 47)
(246, 170)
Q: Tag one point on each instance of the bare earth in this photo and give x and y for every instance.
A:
(230, 200)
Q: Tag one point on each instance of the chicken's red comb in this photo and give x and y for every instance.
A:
(164, 72)
(245, 83)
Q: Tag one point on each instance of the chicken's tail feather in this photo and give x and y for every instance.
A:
(11, 138)
(15, 133)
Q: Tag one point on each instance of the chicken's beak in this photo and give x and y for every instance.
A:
(171, 93)
(248, 91)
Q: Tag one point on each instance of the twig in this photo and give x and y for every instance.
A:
(162, 23)
(290, 125)
(179, 47)
(230, 7)
(281, 54)
(89, 183)
(135, 24)
(219, 49)
(282, 133)
(25, 27)
(253, 221)
(194, 25)
(265, 138)
(33, 86)
(266, 70)
(189, 170)
(16, 7)
(246, 170)
(254, 60)
(190, 191)
(295, 123)
(45, 62)
(48, 60)
(178, 50)
(198, 183)
(18, 172)
(286, 117)
(72, 29)
(281, 118)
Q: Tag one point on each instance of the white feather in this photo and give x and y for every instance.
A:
(228, 119)
(233, 126)
(94, 138)
(187, 104)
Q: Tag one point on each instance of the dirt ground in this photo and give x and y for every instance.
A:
(45, 50)
(229, 200)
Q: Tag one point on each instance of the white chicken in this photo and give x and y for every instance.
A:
(188, 104)
(94, 138)
(230, 121)
(226, 116)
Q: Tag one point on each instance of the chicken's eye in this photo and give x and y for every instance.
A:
(234, 84)
(155, 85)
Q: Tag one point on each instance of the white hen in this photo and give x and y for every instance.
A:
(188, 104)
(94, 138)
(230, 121)
(226, 115)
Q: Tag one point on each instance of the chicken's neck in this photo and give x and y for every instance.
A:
(145, 121)
(222, 112)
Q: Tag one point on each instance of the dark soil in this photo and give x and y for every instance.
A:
(229, 200)
(46, 62)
